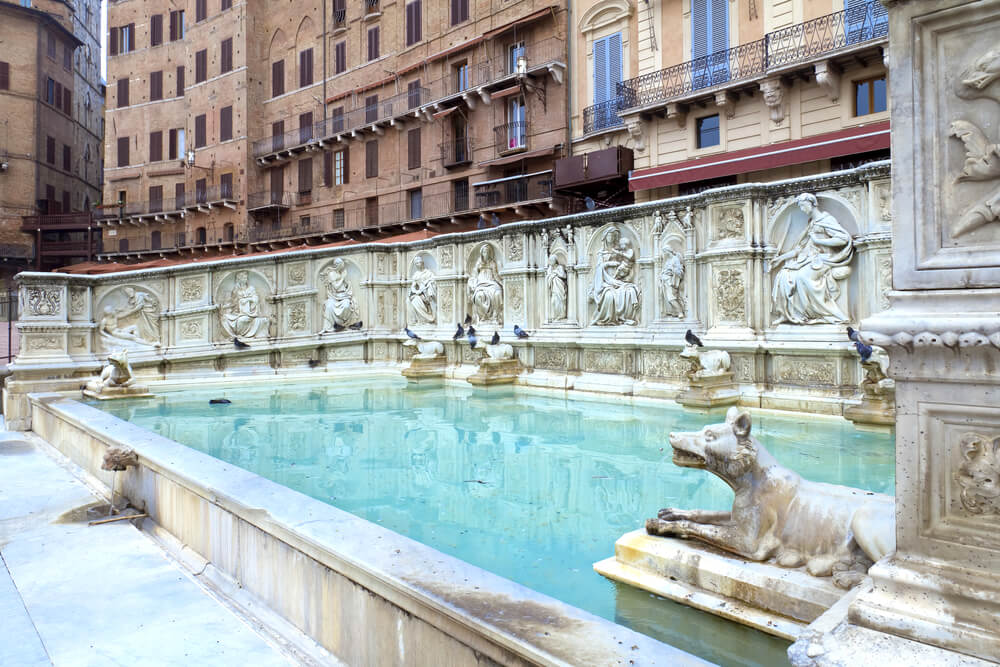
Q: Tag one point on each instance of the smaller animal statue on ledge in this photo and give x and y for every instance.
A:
(426, 349)
(776, 515)
(704, 363)
(116, 379)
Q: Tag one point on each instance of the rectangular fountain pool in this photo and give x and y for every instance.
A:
(529, 486)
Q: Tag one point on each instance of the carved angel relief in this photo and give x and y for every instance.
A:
(982, 158)
(979, 474)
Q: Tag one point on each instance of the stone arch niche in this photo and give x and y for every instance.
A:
(484, 288)
(128, 317)
(613, 291)
(557, 297)
(671, 272)
(245, 311)
(339, 302)
(814, 284)
(421, 289)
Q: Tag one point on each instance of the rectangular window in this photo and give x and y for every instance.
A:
(277, 78)
(462, 72)
(305, 68)
(226, 4)
(175, 144)
(65, 202)
(870, 96)
(607, 67)
(113, 34)
(226, 186)
(225, 123)
(338, 218)
(413, 148)
(707, 130)
(709, 34)
(226, 55)
(67, 158)
(305, 127)
(341, 170)
(122, 151)
(371, 108)
(373, 43)
(176, 25)
(371, 159)
(459, 11)
(416, 204)
(128, 38)
(51, 50)
(200, 10)
(201, 190)
(50, 150)
(201, 66)
(516, 57)
(67, 57)
(371, 211)
(155, 86)
(122, 93)
(337, 119)
(155, 199)
(50, 198)
(517, 124)
(305, 176)
(179, 195)
(180, 81)
(277, 184)
(414, 23)
(461, 195)
(50, 91)
(156, 29)
(155, 146)
(57, 102)
(413, 94)
(68, 102)
(4, 76)
(200, 132)
(339, 57)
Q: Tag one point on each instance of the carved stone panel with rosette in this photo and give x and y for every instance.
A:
(729, 224)
(192, 289)
(730, 295)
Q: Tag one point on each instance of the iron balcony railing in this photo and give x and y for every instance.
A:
(455, 152)
(511, 137)
(268, 199)
(371, 6)
(513, 190)
(787, 46)
(339, 18)
(60, 221)
(602, 116)
(209, 195)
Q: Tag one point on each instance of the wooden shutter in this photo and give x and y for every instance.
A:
(413, 94)
(180, 81)
(226, 4)
(155, 146)
(57, 102)
(67, 158)
(371, 159)
(339, 57)
(200, 138)
(347, 165)
(113, 41)
(122, 93)
(156, 194)
(601, 70)
(371, 108)
(226, 124)
(226, 186)
(122, 151)
(4, 76)
(155, 86)
(172, 145)
(200, 10)
(305, 68)
(413, 148)
(719, 40)
(700, 36)
(227, 55)
(173, 26)
(156, 30)
(373, 43)
(305, 176)
(305, 126)
(179, 195)
(327, 168)
(65, 202)
(68, 102)
(130, 28)
(277, 78)
(418, 21)
(50, 150)
(277, 183)
(201, 66)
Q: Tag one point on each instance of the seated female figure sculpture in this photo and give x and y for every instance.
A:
(340, 309)
(615, 295)
(485, 291)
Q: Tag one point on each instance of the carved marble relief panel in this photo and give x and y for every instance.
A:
(43, 342)
(128, 317)
(297, 318)
(191, 330)
(296, 274)
(604, 361)
(515, 299)
(729, 289)
(192, 289)
(515, 247)
(552, 358)
(729, 224)
(338, 282)
(742, 366)
(805, 370)
(78, 302)
(41, 302)
(448, 257)
(244, 311)
(664, 364)
(483, 288)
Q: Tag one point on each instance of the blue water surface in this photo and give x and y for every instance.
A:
(533, 487)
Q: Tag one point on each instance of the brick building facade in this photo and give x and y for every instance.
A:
(236, 126)
(51, 132)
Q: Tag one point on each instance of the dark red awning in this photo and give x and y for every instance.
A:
(860, 139)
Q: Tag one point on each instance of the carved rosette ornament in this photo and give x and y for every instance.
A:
(730, 294)
(979, 473)
(730, 224)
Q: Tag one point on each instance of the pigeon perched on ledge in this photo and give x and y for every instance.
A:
(459, 332)
(692, 339)
(864, 351)
(357, 326)
(239, 345)
(496, 338)
(519, 332)
(410, 333)
(473, 339)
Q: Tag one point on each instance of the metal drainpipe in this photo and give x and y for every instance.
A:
(325, 40)
(568, 79)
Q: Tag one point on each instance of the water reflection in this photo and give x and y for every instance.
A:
(533, 488)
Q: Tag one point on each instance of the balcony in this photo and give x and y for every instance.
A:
(339, 18)
(845, 32)
(511, 137)
(579, 172)
(204, 239)
(270, 202)
(61, 222)
(456, 152)
(372, 10)
(603, 116)
(513, 191)
(204, 200)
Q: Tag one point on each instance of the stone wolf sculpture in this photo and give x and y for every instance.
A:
(777, 515)
(118, 372)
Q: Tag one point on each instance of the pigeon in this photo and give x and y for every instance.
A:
(496, 338)
(219, 401)
(864, 351)
(313, 363)
(458, 332)
(519, 332)
(357, 326)
(411, 334)
(468, 320)
(471, 330)
(473, 340)
(240, 345)
(692, 339)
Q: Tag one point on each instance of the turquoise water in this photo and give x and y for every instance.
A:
(531, 487)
